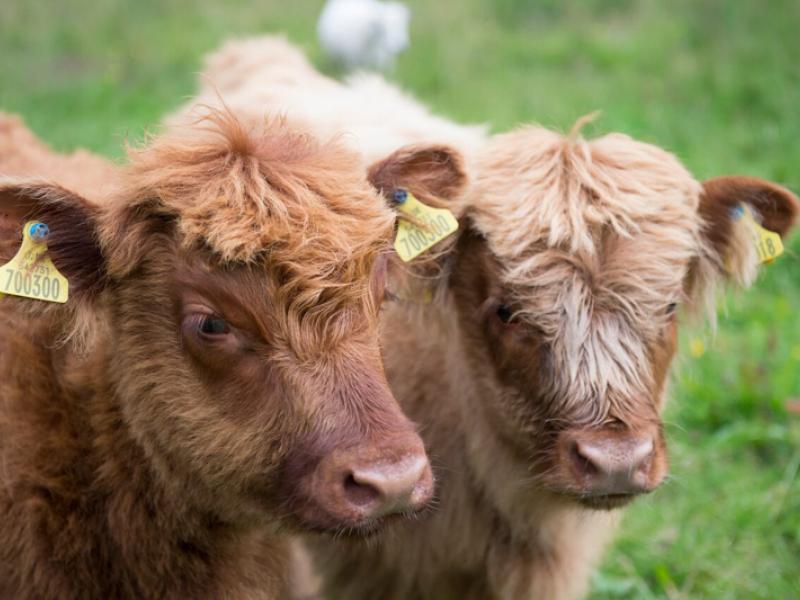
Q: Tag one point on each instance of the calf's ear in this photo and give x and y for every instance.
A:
(730, 253)
(729, 236)
(72, 242)
(434, 174)
(776, 206)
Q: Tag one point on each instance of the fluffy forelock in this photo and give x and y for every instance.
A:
(269, 194)
(595, 239)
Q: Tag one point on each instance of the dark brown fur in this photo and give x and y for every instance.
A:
(143, 458)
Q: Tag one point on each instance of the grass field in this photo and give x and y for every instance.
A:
(717, 82)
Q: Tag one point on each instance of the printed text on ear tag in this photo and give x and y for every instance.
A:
(412, 240)
(31, 273)
(768, 243)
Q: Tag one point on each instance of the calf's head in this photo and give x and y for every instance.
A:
(572, 263)
(236, 278)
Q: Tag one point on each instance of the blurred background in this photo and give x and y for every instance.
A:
(716, 82)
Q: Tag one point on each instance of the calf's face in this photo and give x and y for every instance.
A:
(570, 383)
(568, 284)
(220, 370)
(236, 279)
(567, 277)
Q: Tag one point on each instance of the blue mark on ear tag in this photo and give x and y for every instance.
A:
(39, 232)
(400, 196)
(737, 212)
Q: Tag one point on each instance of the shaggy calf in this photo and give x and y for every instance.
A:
(539, 367)
(214, 380)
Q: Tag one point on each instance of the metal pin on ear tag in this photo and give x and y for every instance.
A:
(400, 196)
(39, 232)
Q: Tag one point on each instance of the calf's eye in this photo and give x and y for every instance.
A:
(671, 308)
(504, 313)
(211, 325)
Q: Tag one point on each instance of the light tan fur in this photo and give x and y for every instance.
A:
(593, 251)
(259, 74)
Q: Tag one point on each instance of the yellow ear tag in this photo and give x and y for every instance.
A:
(411, 240)
(769, 245)
(31, 273)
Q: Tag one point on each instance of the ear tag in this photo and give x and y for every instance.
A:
(31, 273)
(769, 245)
(412, 240)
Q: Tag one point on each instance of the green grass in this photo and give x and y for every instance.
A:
(717, 82)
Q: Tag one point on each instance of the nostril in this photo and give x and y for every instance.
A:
(360, 493)
(583, 461)
(608, 462)
(613, 466)
(391, 487)
(642, 455)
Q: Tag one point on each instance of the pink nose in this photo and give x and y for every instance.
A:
(611, 463)
(368, 481)
(381, 489)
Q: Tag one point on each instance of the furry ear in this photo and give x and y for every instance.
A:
(72, 243)
(436, 176)
(432, 173)
(729, 253)
(775, 207)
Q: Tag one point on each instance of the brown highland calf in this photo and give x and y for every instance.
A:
(214, 381)
(538, 370)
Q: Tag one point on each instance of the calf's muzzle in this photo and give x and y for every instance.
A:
(601, 465)
(359, 485)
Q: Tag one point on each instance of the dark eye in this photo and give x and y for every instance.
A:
(504, 313)
(671, 308)
(212, 325)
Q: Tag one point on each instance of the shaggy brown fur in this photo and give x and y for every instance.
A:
(553, 318)
(225, 297)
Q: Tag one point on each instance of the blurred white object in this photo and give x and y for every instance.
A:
(364, 33)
